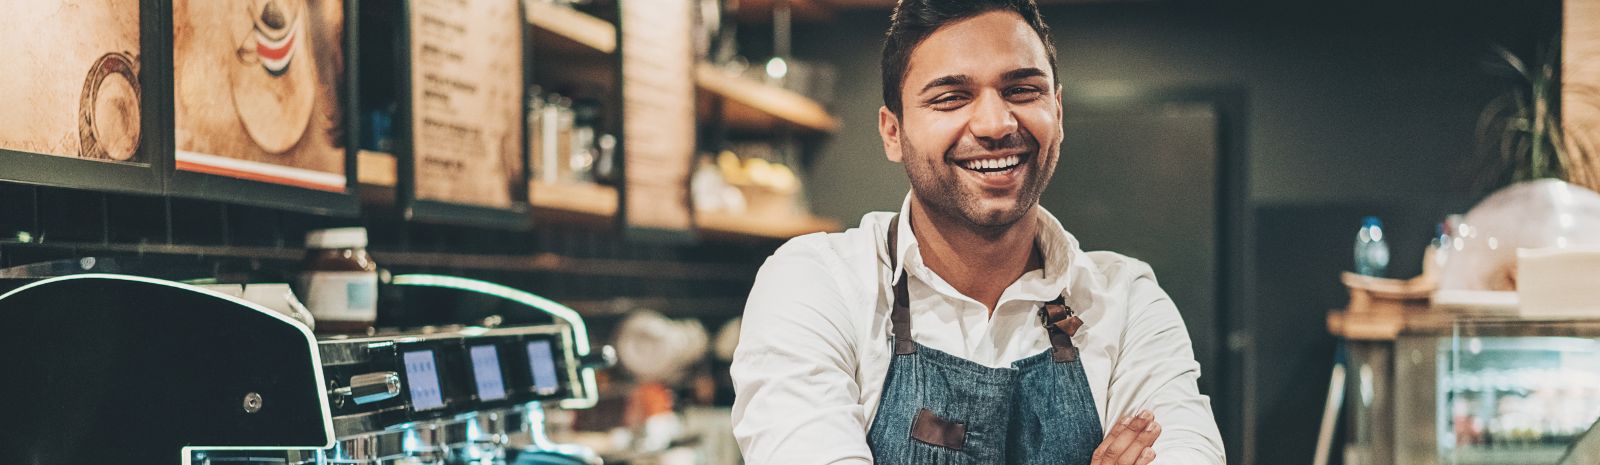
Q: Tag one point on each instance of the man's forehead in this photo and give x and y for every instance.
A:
(982, 47)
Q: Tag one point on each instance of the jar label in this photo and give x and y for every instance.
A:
(341, 295)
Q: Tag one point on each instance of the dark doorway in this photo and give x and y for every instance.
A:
(1156, 177)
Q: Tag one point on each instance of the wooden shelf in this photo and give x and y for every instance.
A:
(589, 203)
(375, 168)
(760, 11)
(1386, 326)
(576, 27)
(752, 105)
(572, 200)
(762, 227)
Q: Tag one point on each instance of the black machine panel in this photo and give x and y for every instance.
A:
(110, 369)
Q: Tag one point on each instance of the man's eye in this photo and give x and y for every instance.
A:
(1023, 93)
(947, 101)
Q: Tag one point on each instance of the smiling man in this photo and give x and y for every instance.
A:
(969, 328)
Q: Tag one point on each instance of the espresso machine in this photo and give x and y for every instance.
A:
(106, 368)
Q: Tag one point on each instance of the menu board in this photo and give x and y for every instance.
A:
(422, 379)
(466, 101)
(256, 90)
(542, 361)
(486, 372)
(658, 112)
(72, 79)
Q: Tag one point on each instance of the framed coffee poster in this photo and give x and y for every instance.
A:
(73, 99)
(465, 113)
(658, 121)
(260, 99)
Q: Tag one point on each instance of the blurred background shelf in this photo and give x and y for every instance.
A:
(374, 168)
(577, 30)
(755, 106)
(822, 11)
(578, 201)
(727, 225)
(760, 11)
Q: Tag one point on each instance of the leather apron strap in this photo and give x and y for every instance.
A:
(900, 316)
(1060, 323)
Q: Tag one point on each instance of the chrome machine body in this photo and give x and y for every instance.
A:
(124, 369)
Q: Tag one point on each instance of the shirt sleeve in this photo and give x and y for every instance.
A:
(796, 398)
(1156, 370)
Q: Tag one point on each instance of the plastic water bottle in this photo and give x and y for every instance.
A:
(1372, 253)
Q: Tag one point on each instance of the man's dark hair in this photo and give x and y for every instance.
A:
(915, 20)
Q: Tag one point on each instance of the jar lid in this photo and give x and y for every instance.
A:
(337, 238)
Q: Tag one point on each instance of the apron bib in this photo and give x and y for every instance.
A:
(941, 409)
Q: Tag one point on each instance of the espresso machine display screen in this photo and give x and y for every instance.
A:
(486, 371)
(423, 378)
(543, 362)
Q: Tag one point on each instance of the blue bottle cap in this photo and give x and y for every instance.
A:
(1371, 221)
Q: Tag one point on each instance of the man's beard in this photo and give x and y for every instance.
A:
(938, 185)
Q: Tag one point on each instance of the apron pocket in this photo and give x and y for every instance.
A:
(929, 428)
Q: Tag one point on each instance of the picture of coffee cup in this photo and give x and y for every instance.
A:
(273, 96)
(257, 90)
(108, 111)
(274, 29)
(72, 79)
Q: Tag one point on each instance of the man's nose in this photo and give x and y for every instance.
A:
(992, 118)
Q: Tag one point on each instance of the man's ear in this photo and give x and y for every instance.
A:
(889, 130)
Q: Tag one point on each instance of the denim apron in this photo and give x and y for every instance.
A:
(941, 409)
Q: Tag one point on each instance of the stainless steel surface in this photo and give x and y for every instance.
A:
(483, 441)
(383, 338)
(382, 447)
(479, 438)
(425, 443)
(362, 423)
(252, 458)
(603, 357)
(341, 351)
(533, 424)
(367, 388)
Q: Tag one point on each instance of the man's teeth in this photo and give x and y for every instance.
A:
(992, 163)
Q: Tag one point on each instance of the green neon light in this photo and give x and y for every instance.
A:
(580, 337)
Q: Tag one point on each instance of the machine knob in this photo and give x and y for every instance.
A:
(599, 359)
(367, 388)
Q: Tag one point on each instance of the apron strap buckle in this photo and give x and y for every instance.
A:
(1060, 324)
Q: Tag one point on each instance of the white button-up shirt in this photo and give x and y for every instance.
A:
(815, 344)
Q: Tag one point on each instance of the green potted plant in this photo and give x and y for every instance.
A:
(1519, 133)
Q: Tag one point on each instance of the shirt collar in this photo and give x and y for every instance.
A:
(1064, 261)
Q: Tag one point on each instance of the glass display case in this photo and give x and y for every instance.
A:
(1515, 400)
(1453, 389)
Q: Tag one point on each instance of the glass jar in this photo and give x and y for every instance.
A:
(339, 281)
